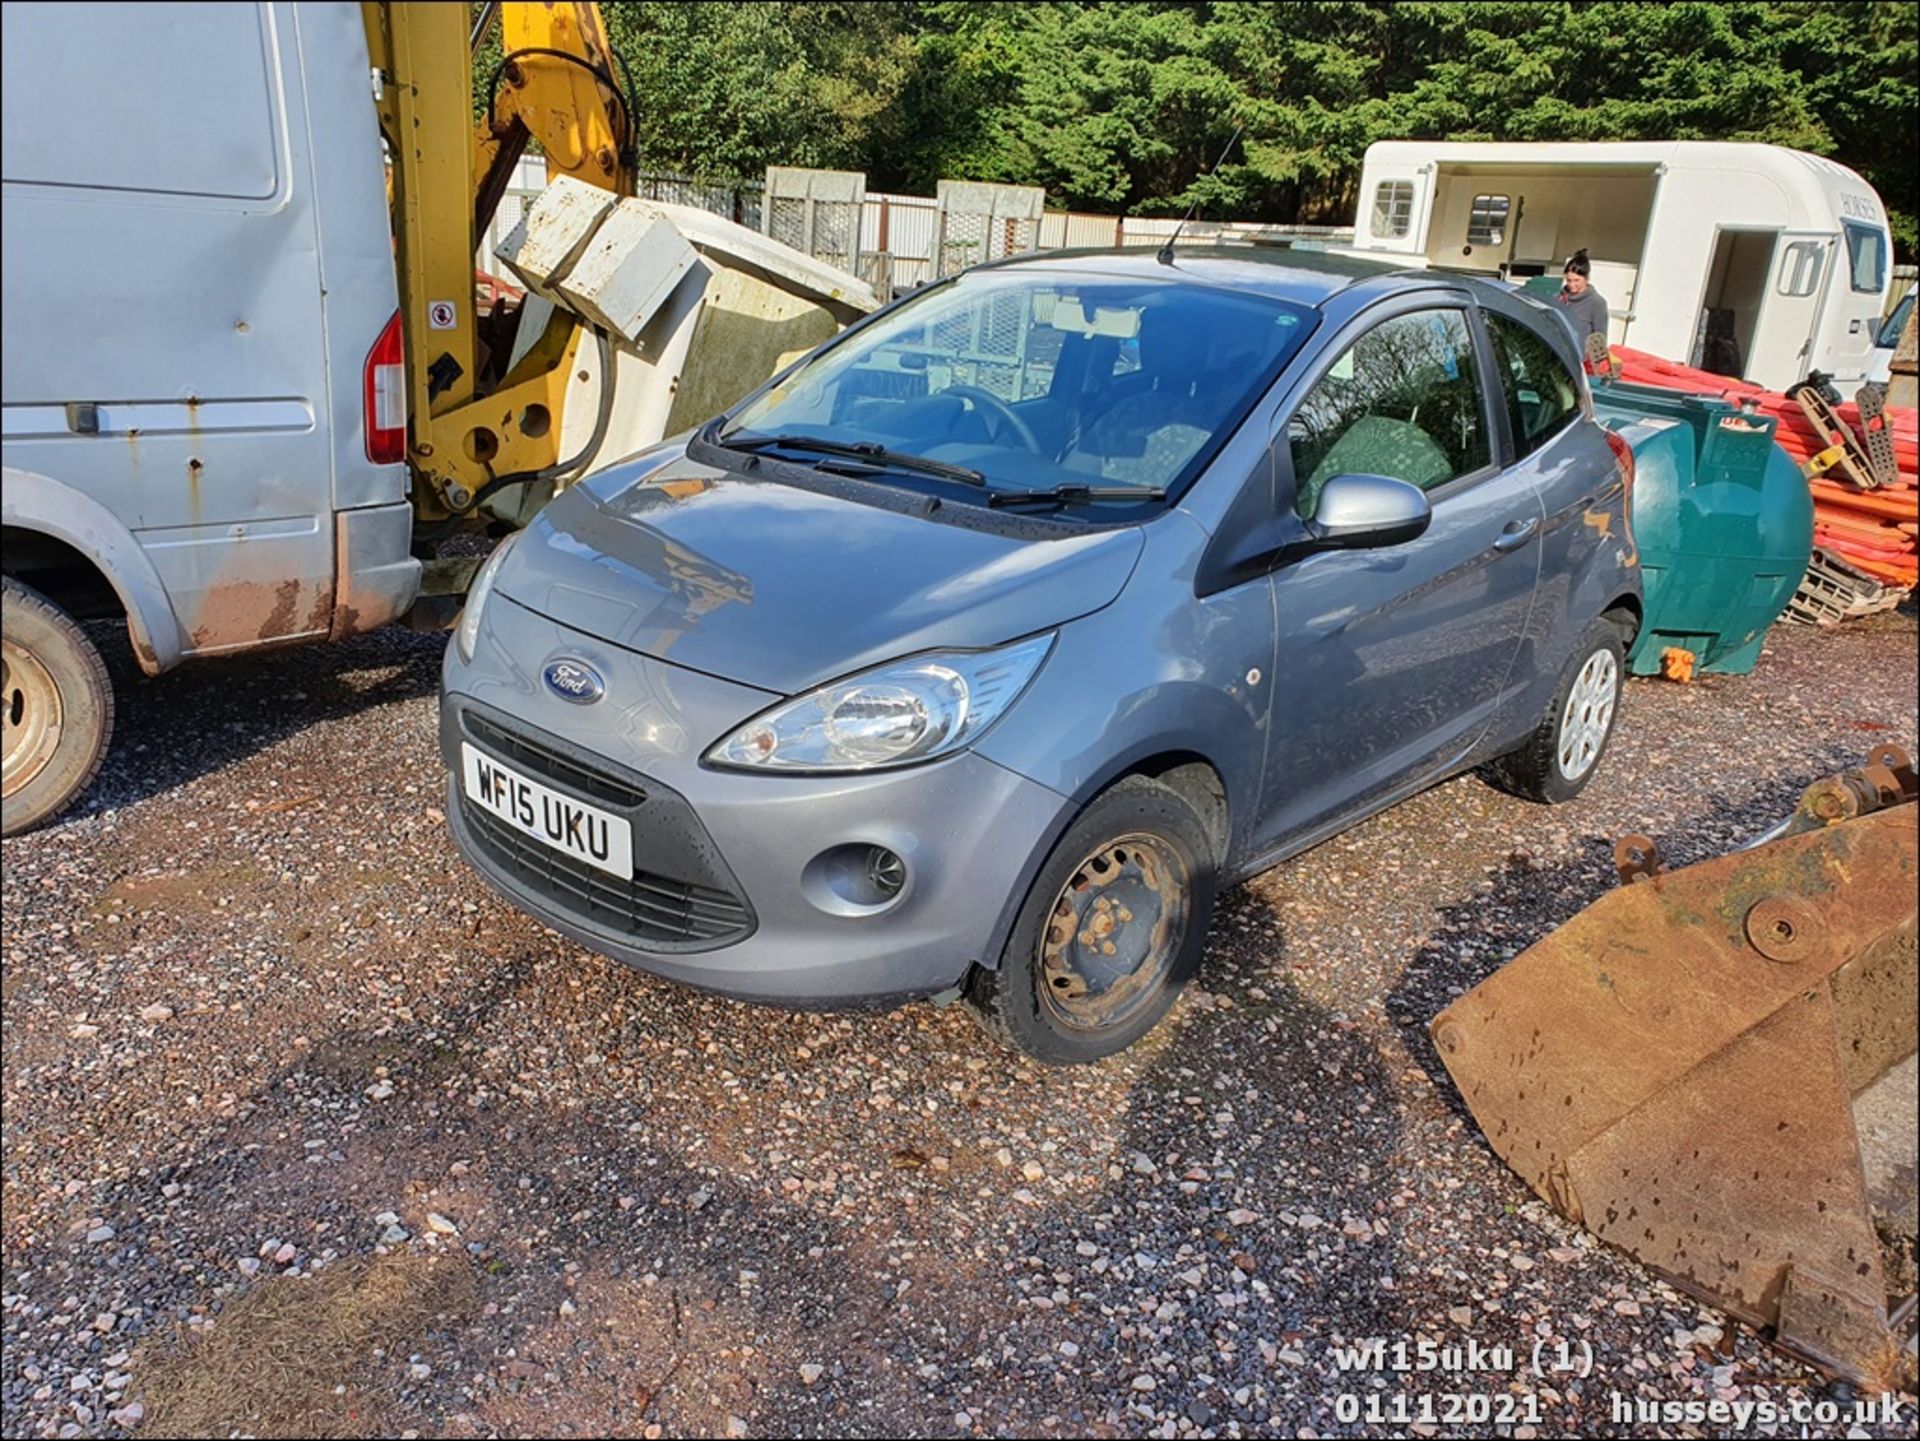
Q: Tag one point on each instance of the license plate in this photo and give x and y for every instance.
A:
(571, 827)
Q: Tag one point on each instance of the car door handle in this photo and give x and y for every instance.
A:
(1516, 534)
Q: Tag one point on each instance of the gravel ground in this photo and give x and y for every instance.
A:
(306, 1131)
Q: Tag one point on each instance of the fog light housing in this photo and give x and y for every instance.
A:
(886, 872)
(856, 879)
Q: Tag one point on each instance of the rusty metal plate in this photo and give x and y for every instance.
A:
(1825, 1322)
(1876, 996)
(1674, 1068)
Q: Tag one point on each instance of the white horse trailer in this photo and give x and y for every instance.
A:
(1749, 260)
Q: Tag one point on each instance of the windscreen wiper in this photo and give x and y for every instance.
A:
(1074, 493)
(858, 450)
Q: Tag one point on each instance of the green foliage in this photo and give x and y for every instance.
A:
(1124, 107)
(728, 89)
(485, 57)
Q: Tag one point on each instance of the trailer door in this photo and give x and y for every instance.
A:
(1843, 346)
(1790, 314)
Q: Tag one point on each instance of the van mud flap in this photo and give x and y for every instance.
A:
(1679, 1067)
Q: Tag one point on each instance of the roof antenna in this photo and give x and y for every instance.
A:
(1165, 256)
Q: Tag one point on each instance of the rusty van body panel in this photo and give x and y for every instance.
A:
(187, 328)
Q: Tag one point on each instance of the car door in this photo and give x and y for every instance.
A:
(1390, 662)
(1580, 486)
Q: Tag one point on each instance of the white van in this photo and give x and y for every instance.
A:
(1749, 260)
(204, 426)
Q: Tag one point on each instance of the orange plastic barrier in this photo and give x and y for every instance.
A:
(1876, 530)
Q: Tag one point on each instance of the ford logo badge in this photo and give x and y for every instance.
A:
(575, 680)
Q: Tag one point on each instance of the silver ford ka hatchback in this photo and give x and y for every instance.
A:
(973, 655)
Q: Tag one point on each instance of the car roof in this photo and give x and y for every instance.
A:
(1303, 277)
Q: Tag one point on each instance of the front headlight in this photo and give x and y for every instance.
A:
(468, 631)
(896, 714)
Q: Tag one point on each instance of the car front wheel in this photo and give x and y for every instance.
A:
(1110, 932)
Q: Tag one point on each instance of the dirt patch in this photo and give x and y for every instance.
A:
(272, 1362)
(171, 893)
(624, 1354)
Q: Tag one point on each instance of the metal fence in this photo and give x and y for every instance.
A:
(902, 242)
(826, 232)
(739, 202)
(817, 212)
(968, 237)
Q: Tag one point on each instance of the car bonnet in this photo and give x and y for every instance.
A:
(783, 587)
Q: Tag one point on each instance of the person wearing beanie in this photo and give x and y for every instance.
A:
(1581, 306)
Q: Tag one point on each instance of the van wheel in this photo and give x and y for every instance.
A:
(1111, 930)
(1563, 753)
(56, 709)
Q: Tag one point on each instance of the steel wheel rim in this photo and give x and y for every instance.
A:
(31, 717)
(1589, 714)
(1112, 935)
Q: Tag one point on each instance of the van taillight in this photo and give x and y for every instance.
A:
(386, 397)
(1622, 459)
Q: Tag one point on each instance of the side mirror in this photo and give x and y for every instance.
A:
(1362, 512)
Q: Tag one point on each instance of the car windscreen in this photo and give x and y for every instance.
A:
(1890, 328)
(1035, 380)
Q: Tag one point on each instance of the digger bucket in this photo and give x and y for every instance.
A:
(1676, 1067)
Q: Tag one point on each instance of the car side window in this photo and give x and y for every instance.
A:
(1542, 395)
(1403, 401)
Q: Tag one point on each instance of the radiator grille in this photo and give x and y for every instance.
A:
(647, 907)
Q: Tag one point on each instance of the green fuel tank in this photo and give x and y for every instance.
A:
(1722, 518)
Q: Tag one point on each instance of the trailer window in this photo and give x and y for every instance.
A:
(1487, 220)
(1392, 209)
(1800, 267)
(1867, 254)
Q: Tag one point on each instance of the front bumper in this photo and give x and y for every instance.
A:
(969, 831)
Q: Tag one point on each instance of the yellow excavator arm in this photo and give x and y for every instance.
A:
(474, 419)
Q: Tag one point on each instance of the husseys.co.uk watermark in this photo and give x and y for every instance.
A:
(1557, 1359)
(1824, 1415)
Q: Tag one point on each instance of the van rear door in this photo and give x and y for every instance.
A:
(1782, 349)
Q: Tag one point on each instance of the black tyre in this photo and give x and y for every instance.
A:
(1111, 929)
(56, 709)
(1564, 751)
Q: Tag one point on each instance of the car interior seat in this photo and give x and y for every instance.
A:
(1376, 445)
(1168, 409)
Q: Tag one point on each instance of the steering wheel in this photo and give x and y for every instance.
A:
(995, 408)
